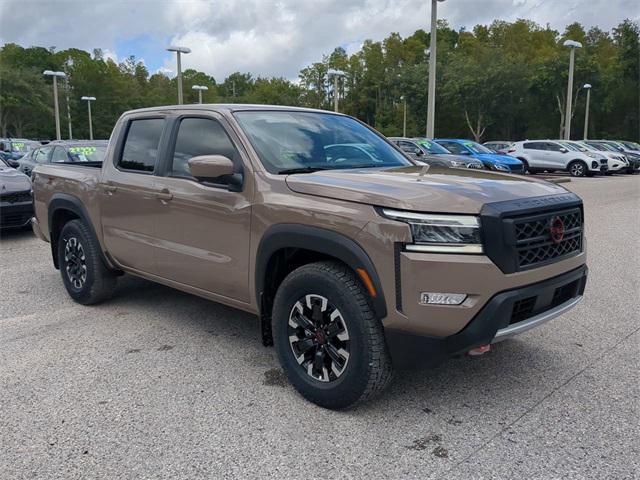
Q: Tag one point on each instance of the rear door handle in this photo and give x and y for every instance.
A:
(164, 194)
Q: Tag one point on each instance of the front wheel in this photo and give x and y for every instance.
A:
(330, 344)
(84, 275)
(577, 169)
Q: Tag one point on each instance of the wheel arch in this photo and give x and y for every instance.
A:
(63, 208)
(285, 247)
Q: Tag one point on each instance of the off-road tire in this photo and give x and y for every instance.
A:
(99, 282)
(368, 370)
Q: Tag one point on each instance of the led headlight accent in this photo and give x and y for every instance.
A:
(435, 233)
(432, 298)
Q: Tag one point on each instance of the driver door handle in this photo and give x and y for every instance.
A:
(164, 195)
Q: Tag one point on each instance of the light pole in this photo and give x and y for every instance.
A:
(55, 75)
(199, 88)
(179, 50)
(89, 100)
(404, 117)
(431, 98)
(68, 64)
(572, 44)
(587, 87)
(336, 74)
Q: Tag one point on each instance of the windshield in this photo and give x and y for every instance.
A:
(570, 146)
(476, 147)
(432, 147)
(598, 146)
(308, 140)
(631, 145)
(583, 147)
(610, 147)
(87, 153)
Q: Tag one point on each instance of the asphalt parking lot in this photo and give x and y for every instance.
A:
(160, 384)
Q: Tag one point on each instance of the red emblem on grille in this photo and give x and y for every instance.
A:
(556, 229)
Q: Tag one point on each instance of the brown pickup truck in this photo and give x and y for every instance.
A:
(353, 257)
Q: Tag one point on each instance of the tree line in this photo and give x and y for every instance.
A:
(507, 80)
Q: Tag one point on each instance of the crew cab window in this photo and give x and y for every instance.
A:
(535, 146)
(59, 155)
(200, 136)
(140, 152)
(42, 155)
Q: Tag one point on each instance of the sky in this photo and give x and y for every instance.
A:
(266, 37)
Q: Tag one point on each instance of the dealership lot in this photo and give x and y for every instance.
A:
(160, 384)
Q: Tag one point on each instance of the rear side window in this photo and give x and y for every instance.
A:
(200, 136)
(140, 152)
(42, 155)
(535, 146)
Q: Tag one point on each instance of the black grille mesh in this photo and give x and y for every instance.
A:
(534, 244)
(15, 197)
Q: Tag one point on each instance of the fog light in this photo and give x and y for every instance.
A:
(431, 298)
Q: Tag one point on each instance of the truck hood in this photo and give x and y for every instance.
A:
(11, 180)
(451, 190)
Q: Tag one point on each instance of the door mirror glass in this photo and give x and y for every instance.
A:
(210, 167)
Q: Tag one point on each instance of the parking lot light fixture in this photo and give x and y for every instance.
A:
(336, 74)
(587, 87)
(200, 89)
(404, 116)
(56, 109)
(572, 44)
(89, 100)
(179, 51)
(431, 94)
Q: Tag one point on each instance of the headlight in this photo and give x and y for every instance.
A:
(458, 164)
(500, 167)
(440, 233)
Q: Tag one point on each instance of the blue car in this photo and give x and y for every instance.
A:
(490, 159)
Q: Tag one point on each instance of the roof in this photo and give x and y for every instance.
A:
(229, 107)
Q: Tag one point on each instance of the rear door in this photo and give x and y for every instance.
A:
(203, 228)
(129, 199)
(537, 154)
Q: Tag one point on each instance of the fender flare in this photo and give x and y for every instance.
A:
(64, 201)
(320, 240)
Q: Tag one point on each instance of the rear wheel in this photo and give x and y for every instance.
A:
(84, 275)
(577, 168)
(328, 339)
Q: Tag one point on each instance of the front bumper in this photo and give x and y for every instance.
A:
(15, 215)
(506, 314)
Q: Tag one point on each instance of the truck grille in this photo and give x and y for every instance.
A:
(16, 197)
(542, 238)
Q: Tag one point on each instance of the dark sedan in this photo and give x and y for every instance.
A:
(426, 151)
(16, 201)
(68, 151)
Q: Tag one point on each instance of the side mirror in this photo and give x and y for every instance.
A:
(418, 152)
(211, 168)
(563, 150)
(13, 163)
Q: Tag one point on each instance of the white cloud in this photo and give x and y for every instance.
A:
(268, 37)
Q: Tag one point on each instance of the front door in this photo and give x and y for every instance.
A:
(203, 229)
(129, 199)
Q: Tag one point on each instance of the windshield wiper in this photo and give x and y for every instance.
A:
(287, 171)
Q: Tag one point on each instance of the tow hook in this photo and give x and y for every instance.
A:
(482, 349)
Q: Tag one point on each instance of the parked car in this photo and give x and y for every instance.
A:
(616, 162)
(64, 151)
(16, 202)
(630, 146)
(16, 148)
(490, 159)
(551, 156)
(426, 151)
(498, 146)
(630, 155)
(351, 266)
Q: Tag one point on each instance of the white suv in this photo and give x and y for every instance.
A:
(551, 156)
(616, 162)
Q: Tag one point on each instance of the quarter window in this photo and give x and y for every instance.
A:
(140, 152)
(200, 136)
